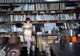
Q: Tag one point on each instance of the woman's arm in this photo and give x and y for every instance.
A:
(31, 27)
(23, 28)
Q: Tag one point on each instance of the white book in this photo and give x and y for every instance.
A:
(11, 16)
(62, 6)
(21, 18)
(67, 17)
(46, 17)
(46, 7)
(33, 17)
(24, 17)
(68, 26)
(38, 17)
(39, 7)
(11, 28)
(14, 28)
(65, 25)
(26, 7)
(29, 7)
(36, 6)
(16, 19)
(42, 6)
(42, 16)
(74, 15)
(70, 7)
(32, 6)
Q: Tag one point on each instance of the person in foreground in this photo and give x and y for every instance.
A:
(27, 28)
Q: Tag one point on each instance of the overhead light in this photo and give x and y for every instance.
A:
(52, 0)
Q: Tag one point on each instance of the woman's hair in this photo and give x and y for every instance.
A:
(27, 19)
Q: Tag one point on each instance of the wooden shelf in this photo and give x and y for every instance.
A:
(8, 33)
(14, 33)
(56, 21)
(41, 22)
(41, 12)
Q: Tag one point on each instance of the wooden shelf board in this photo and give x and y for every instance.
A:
(9, 33)
(41, 22)
(39, 12)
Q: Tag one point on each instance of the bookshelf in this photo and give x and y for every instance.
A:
(64, 17)
(36, 11)
(39, 12)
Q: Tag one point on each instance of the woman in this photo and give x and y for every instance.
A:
(27, 27)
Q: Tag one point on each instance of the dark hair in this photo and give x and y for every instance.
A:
(27, 19)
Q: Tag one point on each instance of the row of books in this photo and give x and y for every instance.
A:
(16, 1)
(50, 6)
(5, 18)
(2, 9)
(46, 6)
(15, 28)
(39, 17)
(44, 17)
(9, 28)
(25, 7)
(68, 16)
(50, 27)
(69, 26)
(5, 28)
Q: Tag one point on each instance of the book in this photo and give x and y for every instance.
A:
(62, 6)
